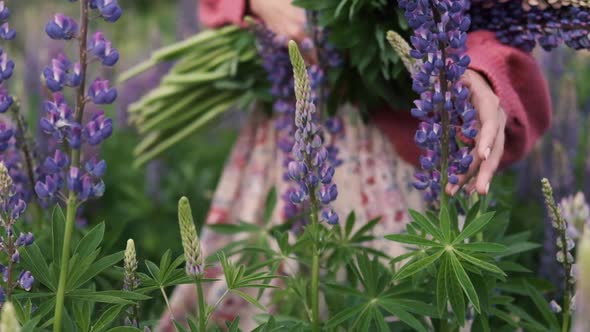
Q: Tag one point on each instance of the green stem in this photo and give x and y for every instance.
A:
(445, 122)
(202, 309)
(315, 267)
(444, 325)
(72, 201)
(65, 261)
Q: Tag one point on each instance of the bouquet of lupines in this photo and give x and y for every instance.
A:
(214, 70)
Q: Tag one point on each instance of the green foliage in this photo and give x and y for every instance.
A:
(373, 74)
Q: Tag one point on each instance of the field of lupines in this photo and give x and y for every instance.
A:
(105, 138)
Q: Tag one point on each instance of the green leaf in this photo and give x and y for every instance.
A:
(411, 239)
(96, 268)
(125, 329)
(426, 225)
(248, 298)
(456, 297)
(350, 220)
(107, 317)
(417, 266)
(402, 314)
(486, 247)
(464, 281)
(517, 248)
(57, 233)
(474, 227)
(269, 206)
(32, 260)
(90, 241)
(441, 288)
(480, 263)
(445, 223)
(380, 321)
(344, 315)
(230, 229)
(542, 306)
(114, 297)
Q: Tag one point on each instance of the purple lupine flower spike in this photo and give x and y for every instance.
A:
(310, 154)
(447, 117)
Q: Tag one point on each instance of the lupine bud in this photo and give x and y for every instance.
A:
(190, 240)
(581, 321)
(6, 32)
(130, 281)
(8, 319)
(402, 49)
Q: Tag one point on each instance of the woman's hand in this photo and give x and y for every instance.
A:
(489, 146)
(281, 17)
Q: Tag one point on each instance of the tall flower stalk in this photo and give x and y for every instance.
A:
(565, 245)
(68, 170)
(311, 171)
(448, 120)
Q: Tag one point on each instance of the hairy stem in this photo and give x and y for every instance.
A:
(72, 201)
(315, 266)
(9, 285)
(203, 318)
(445, 121)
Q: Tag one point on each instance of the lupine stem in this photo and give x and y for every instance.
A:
(9, 285)
(65, 260)
(315, 266)
(202, 310)
(72, 202)
(445, 122)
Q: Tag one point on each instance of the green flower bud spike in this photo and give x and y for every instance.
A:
(402, 48)
(190, 240)
(130, 282)
(564, 244)
(8, 321)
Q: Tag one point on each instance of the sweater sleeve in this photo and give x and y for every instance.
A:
(519, 84)
(214, 13)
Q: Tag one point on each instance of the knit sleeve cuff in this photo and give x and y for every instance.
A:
(520, 86)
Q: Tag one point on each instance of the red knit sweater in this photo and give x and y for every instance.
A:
(513, 74)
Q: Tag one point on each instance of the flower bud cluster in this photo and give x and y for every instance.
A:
(193, 254)
(565, 244)
(448, 124)
(65, 123)
(524, 25)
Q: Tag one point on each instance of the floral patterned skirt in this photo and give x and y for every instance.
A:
(372, 180)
